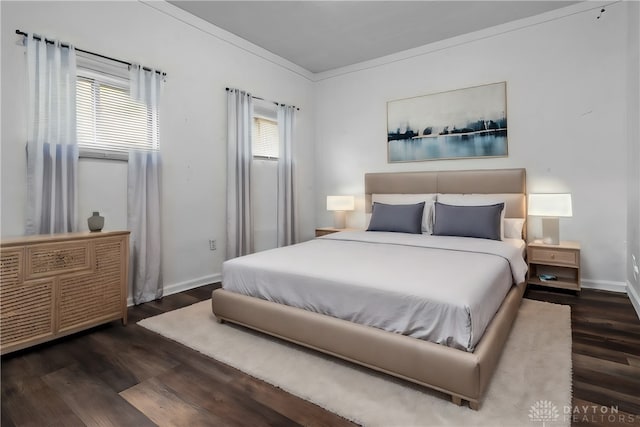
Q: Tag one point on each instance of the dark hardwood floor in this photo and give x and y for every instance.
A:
(606, 355)
(90, 378)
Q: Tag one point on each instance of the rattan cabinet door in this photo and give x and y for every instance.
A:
(89, 298)
(26, 308)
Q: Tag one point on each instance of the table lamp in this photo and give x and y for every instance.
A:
(340, 204)
(550, 207)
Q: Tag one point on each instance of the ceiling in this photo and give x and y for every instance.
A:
(323, 35)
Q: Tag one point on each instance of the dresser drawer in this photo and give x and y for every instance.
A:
(554, 256)
(55, 258)
(11, 266)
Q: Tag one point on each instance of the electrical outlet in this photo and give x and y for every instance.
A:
(213, 245)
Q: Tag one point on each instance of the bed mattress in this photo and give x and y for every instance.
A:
(436, 288)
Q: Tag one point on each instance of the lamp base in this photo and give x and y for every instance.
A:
(551, 230)
(339, 219)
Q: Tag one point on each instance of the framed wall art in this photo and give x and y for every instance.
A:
(458, 124)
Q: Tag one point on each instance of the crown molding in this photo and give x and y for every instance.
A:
(225, 36)
(582, 7)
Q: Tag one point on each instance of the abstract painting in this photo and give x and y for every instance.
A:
(458, 124)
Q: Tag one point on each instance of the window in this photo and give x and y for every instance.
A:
(108, 120)
(265, 140)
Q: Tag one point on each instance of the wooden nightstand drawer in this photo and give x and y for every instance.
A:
(556, 266)
(554, 256)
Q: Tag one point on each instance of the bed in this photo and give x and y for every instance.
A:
(329, 283)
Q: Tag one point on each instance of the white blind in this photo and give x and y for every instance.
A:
(265, 138)
(109, 120)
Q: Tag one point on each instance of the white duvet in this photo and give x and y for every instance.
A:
(436, 288)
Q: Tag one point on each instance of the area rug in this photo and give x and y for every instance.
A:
(531, 386)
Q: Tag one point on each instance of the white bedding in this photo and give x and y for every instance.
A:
(437, 288)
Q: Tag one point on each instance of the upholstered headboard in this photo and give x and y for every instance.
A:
(492, 181)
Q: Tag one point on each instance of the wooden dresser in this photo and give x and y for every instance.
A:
(55, 285)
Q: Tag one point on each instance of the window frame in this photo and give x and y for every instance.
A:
(117, 78)
(267, 111)
(272, 120)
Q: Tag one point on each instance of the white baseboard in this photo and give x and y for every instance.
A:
(634, 297)
(604, 285)
(185, 286)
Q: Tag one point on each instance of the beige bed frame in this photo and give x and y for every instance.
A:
(462, 375)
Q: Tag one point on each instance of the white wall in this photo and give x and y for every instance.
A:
(566, 99)
(567, 76)
(633, 165)
(200, 61)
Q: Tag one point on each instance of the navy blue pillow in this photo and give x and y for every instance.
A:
(468, 221)
(396, 218)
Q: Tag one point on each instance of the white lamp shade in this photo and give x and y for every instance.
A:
(550, 205)
(340, 203)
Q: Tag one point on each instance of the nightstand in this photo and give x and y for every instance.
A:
(323, 231)
(562, 261)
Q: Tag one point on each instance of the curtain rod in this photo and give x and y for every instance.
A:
(22, 33)
(262, 99)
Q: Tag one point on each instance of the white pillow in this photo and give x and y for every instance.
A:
(513, 228)
(475, 200)
(410, 199)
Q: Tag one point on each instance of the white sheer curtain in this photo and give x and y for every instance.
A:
(143, 220)
(143, 201)
(239, 159)
(52, 152)
(287, 218)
